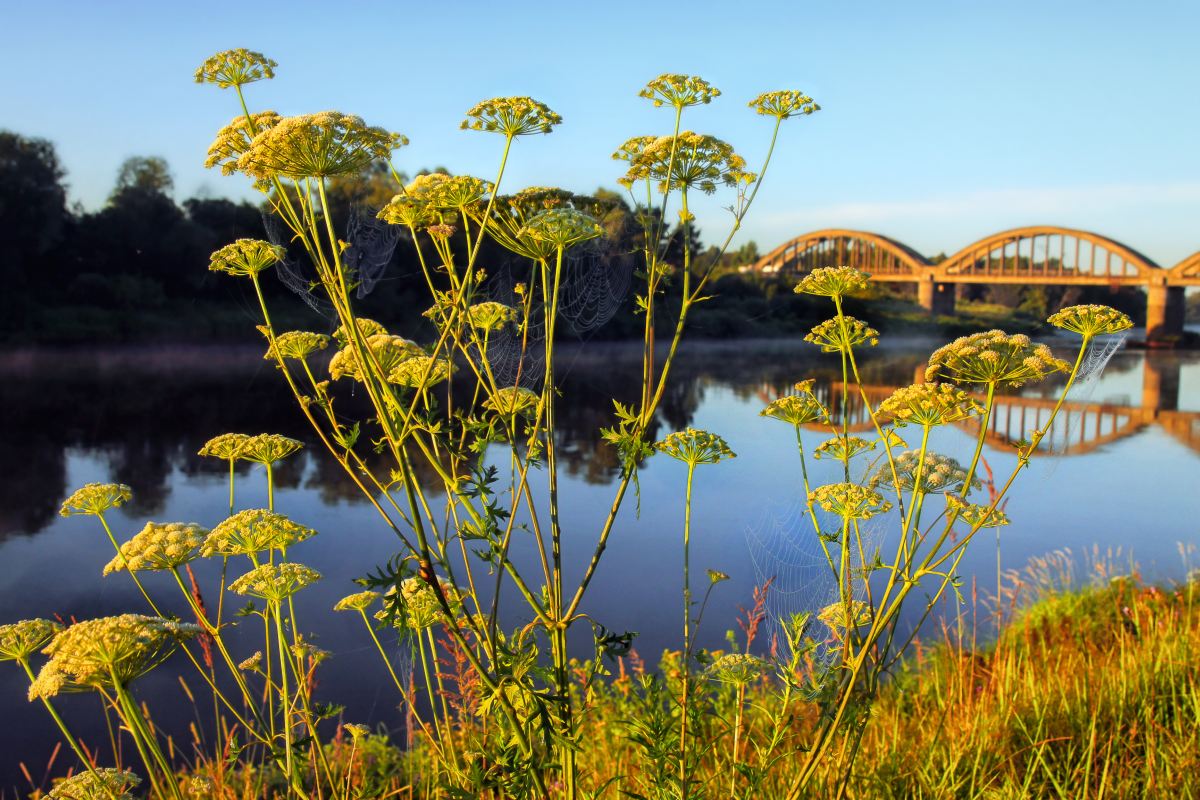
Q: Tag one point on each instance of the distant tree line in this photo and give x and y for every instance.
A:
(136, 268)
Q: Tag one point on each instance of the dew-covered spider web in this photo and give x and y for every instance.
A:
(1100, 351)
(372, 243)
(595, 281)
(785, 550)
(290, 272)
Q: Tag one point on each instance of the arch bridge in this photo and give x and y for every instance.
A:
(1039, 254)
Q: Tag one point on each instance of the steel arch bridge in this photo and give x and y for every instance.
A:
(1037, 254)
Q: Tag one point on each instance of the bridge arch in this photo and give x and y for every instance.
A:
(1049, 254)
(885, 259)
(1186, 272)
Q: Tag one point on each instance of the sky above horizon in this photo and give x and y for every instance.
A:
(942, 122)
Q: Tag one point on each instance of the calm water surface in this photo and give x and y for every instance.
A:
(1123, 475)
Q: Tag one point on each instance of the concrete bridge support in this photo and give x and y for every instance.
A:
(936, 298)
(1160, 384)
(1164, 310)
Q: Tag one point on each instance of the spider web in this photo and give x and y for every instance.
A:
(1100, 351)
(289, 272)
(372, 243)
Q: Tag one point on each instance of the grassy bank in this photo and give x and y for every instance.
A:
(1089, 692)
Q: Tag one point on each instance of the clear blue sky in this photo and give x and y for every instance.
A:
(942, 121)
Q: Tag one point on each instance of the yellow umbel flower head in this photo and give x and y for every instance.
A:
(737, 669)
(317, 146)
(267, 448)
(974, 515)
(95, 499)
(159, 546)
(839, 335)
(849, 500)
(679, 91)
(490, 315)
(99, 653)
(693, 446)
(562, 227)
(296, 344)
(408, 211)
(235, 138)
(275, 582)
(254, 530)
(511, 401)
(416, 604)
(458, 193)
(246, 257)
(994, 357)
(842, 448)
(235, 68)
(20, 640)
(420, 372)
(796, 409)
(355, 730)
(366, 328)
(511, 116)
(841, 616)
(228, 446)
(939, 474)
(929, 404)
(388, 351)
(1091, 320)
(359, 601)
(833, 282)
(784, 104)
(694, 160)
(96, 784)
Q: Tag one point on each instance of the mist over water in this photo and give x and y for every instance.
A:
(1122, 476)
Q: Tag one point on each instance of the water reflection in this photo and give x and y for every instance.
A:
(139, 416)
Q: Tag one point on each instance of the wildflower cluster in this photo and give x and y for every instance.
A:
(235, 138)
(252, 531)
(97, 784)
(416, 605)
(1091, 320)
(512, 400)
(490, 315)
(693, 161)
(159, 546)
(833, 282)
(784, 104)
(420, 372)
(20, 640)
(235, 68)
(693, 446)
(840, 334)
(562, 227)
(929, 404)
(95, 498)
(842, 448)
(976, 516)
(317, 146)
(511, 116)
(267, 448)
(359, 601)
(994, 357)
(296, 344)
(275, 582)
(679, 91)
(107, 652)
(738, 669)
(939, 474)
(843, 616)
(849, 500)
(246, 257)
(388, 351)
(797, 409)
(366, 328)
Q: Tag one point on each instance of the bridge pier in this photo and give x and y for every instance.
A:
(936, 298)
(1164, 310)
(1160, 384)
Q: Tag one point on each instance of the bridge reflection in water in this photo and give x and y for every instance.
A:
(1082, 425)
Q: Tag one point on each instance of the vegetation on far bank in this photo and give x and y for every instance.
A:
(135, 270)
